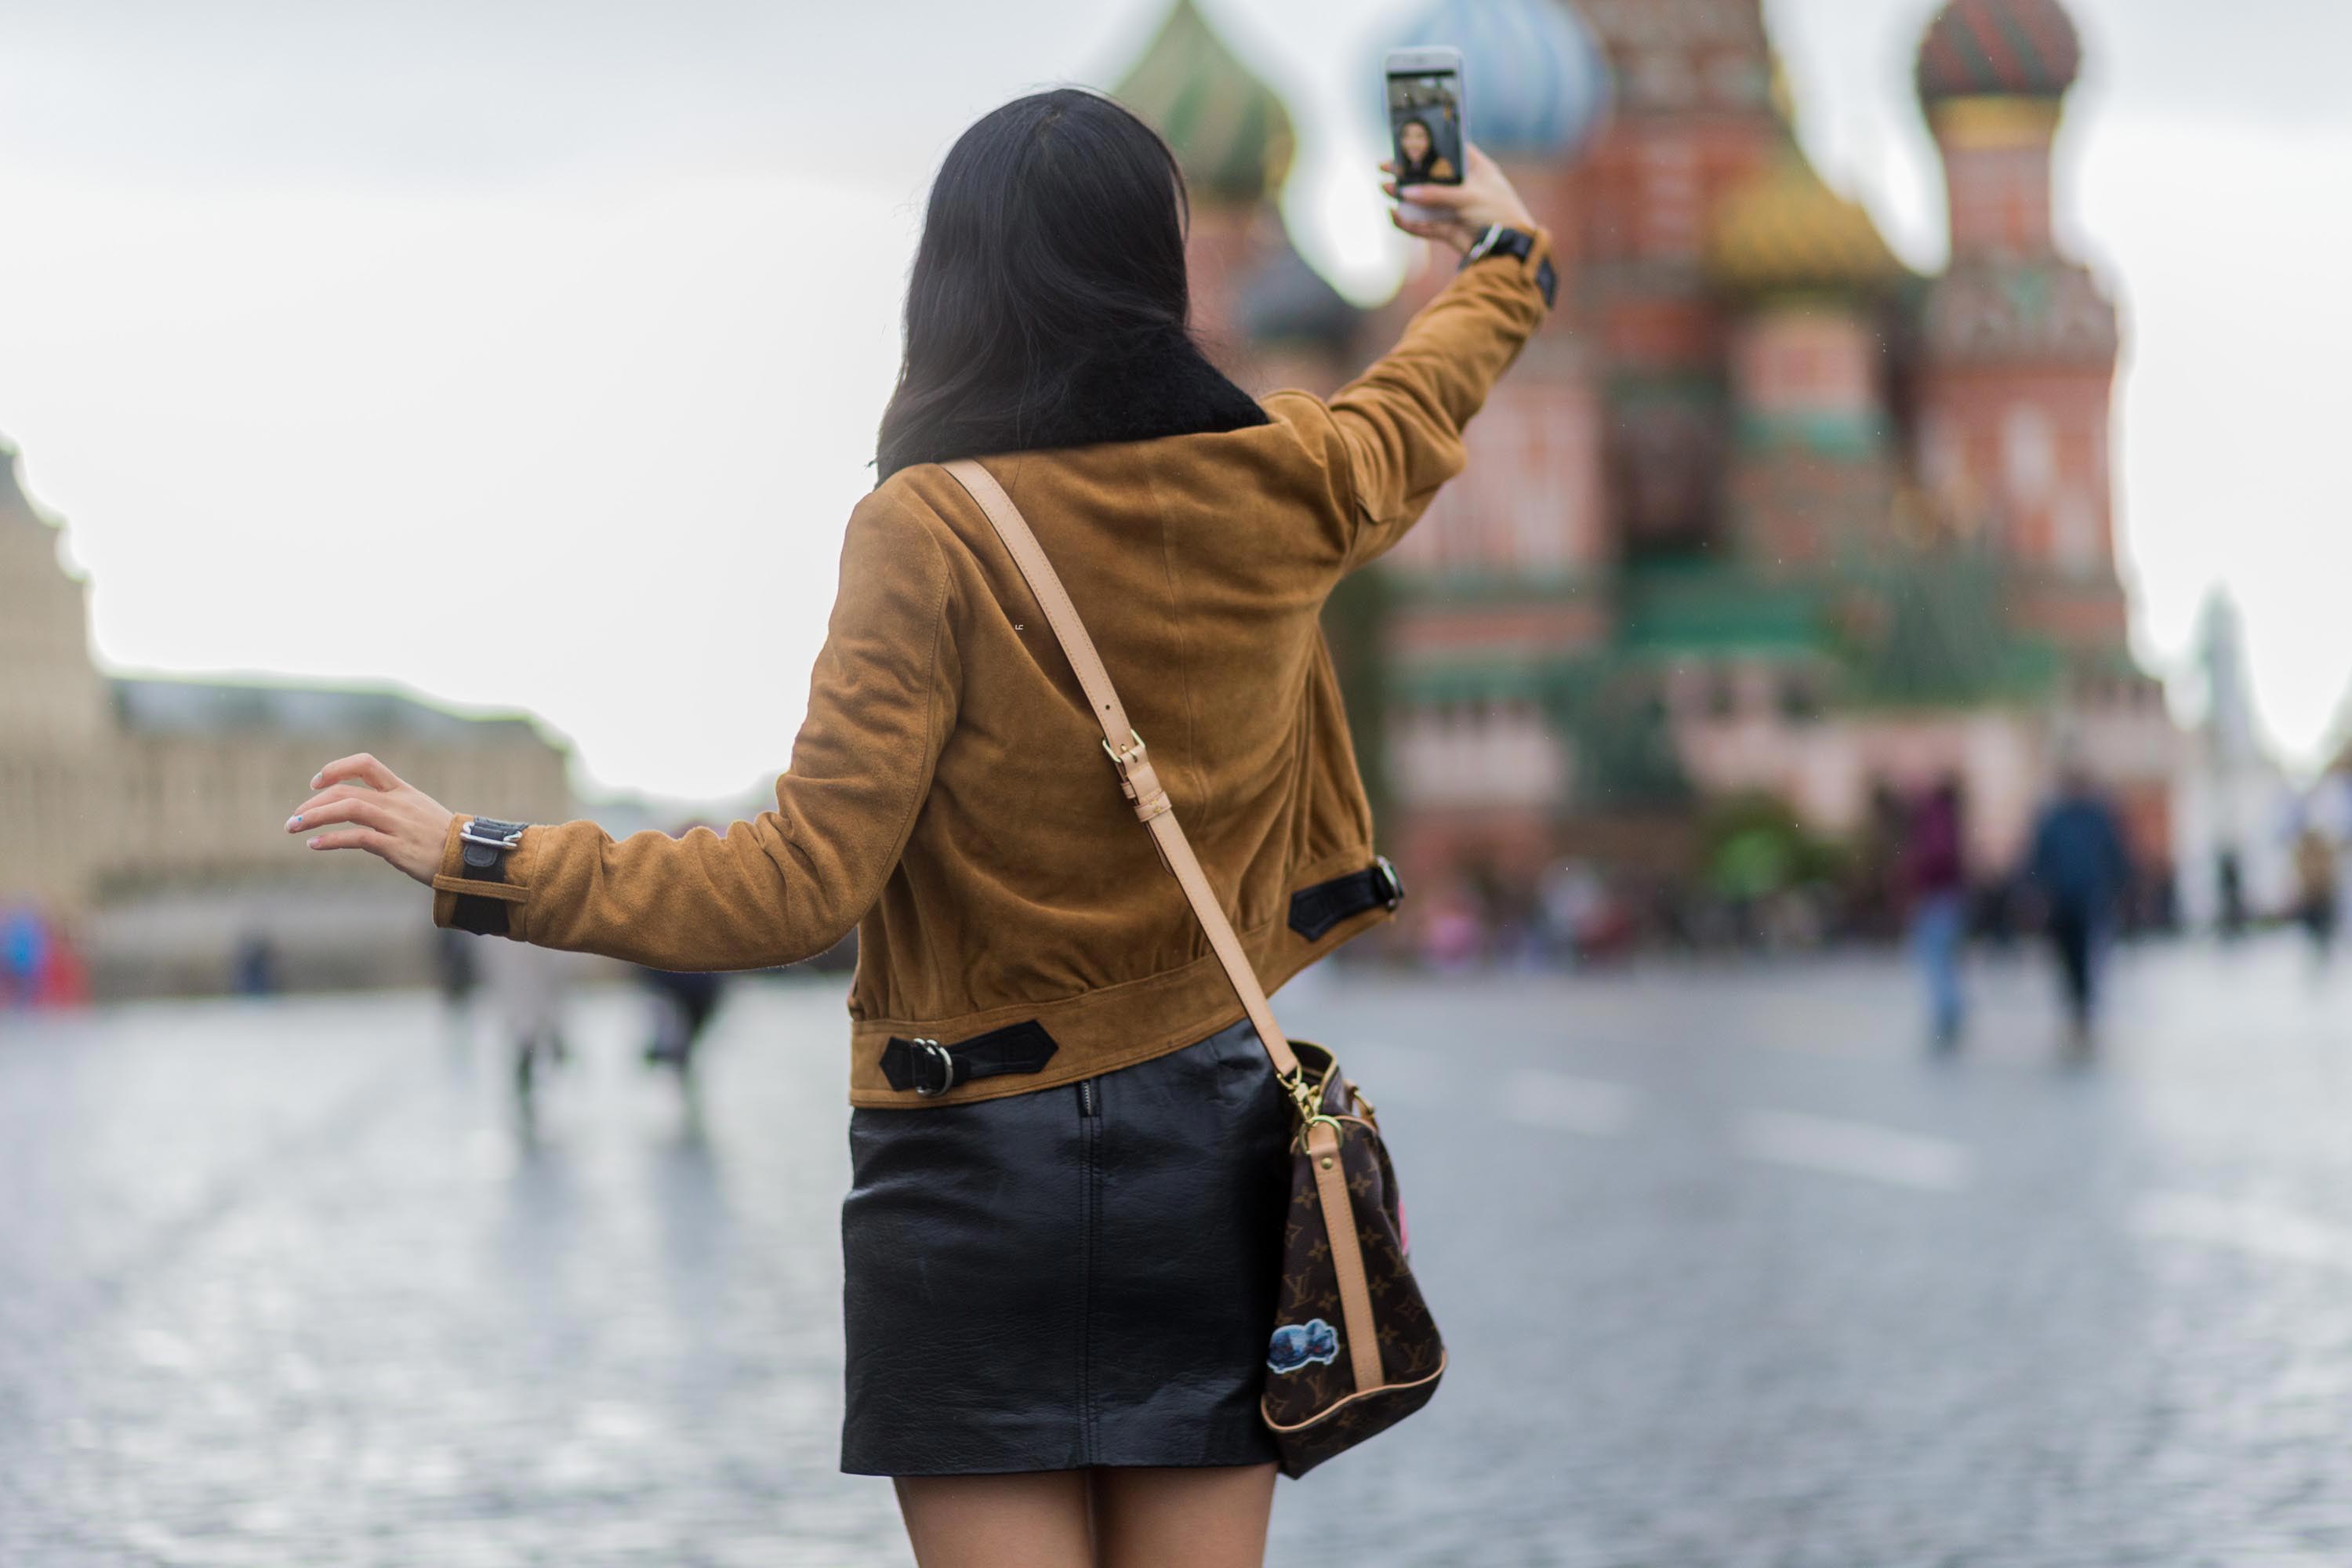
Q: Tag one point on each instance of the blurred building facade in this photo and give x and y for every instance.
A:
(1762, 510)
(122, 799)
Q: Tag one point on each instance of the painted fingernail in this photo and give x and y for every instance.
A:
(292, 822)
(315, 778)
(316, 842)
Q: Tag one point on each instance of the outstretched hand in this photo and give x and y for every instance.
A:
(1485, 196)
(387, 817)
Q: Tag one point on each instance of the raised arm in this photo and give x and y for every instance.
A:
(1402, 419)
(781, 888)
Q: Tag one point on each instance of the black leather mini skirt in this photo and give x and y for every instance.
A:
(1082, 1276)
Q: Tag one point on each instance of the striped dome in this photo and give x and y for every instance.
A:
(1536, 81)
(1785, 232)
(2003, 48)
(1230, 131)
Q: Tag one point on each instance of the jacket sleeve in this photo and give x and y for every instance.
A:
(1401, 420)
(794, 882)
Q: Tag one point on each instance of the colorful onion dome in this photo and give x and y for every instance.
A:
(1286, 301)
(1785, 231)
(1535, 78)
(1999, 48)
(1230, 131)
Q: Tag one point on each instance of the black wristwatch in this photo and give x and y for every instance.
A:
(487, 844)
(1514, 242)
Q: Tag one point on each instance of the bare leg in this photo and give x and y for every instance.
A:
(1209, 1518)
(1033, 1520)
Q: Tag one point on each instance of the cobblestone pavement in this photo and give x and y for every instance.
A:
(1733, 1273)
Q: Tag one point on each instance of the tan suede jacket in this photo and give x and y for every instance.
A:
(948, 793)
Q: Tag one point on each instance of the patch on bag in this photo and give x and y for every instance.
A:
(1297, 1345)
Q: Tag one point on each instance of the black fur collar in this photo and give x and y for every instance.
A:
(1169, 389)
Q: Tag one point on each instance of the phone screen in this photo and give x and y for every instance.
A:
(1425, 126)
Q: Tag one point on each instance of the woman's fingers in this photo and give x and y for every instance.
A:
(326, 797)
(362, 766)
(366, 838)
(1449, 197)
(366, 810)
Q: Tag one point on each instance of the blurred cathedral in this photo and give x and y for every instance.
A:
(145, 817)
(1761, 512)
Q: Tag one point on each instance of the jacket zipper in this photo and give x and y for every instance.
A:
(1090, 1131)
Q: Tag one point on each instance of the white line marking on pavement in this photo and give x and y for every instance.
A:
(1857, 1149)
(1540, 1098)
(2259, 1229)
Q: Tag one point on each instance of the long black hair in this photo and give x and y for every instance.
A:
(1053, 249)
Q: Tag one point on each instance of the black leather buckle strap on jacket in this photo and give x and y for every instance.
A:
(929, 1067)
(487, 843)
(1517, 243)
(1316, 910)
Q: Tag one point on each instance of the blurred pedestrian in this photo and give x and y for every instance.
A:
(39, 965)
(24, 954)
(527, 989)
(1572, 902)
(2316, 894)
(685, 1001)
(2082, 868)
(254, 965)
(1935, 876)
(1058, 1097)
(2230, 885)
(64, 979)
(455, 974)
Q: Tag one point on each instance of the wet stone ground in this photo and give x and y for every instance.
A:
(1733, 1273)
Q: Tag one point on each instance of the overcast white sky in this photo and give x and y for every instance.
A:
(302, 304)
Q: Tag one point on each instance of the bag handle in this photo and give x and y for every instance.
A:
(1136, 775)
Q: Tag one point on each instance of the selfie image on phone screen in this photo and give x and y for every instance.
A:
(1425, 121)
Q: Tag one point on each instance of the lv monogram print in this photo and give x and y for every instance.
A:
(1311, 1401)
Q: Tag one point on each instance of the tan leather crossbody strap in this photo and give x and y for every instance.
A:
(1128, 753)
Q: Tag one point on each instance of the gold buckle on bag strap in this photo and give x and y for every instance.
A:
(1124, 756)
(1306, 1101)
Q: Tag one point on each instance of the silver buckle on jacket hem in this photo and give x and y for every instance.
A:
(468, 835)
(1391, 883)
(931, 1050)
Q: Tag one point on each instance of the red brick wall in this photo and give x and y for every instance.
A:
(2022, 453)
(1997, 199)
(1531, 499)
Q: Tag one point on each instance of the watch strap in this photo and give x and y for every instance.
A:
(1517, 244)
(484, 845)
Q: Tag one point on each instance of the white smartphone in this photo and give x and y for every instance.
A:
(1429, 120)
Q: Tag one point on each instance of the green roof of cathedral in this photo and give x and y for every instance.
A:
(1707, 606)
(1231, 133)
